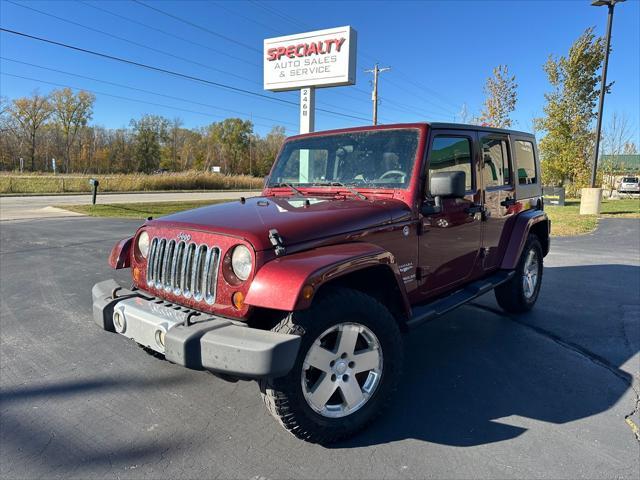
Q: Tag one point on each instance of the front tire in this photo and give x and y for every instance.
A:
(348, 365)
(520, 293)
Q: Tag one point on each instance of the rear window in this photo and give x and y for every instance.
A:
(526, 162)
(630, 179)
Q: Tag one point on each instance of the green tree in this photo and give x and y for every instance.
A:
(150, 132)
(567, 145)
(266, 150)
(231, 139)
(72, 112)
(501, 97)
(30, 113)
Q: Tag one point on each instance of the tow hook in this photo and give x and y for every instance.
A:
(276, 241)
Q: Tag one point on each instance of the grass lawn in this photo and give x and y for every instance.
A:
(565, 220)
(568, 221)
(137, 210)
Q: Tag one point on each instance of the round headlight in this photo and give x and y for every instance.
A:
(241, 262)
(143, 244)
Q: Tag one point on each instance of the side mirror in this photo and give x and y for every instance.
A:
(444, 185)
(448, 184)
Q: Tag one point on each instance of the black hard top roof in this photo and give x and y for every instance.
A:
(464, 126)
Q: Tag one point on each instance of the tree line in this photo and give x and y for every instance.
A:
(40, 128)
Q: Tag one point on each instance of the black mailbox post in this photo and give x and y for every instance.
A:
(94, 183)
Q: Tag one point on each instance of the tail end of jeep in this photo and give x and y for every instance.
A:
(359, 237)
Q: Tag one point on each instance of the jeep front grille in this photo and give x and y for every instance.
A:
(184, 269)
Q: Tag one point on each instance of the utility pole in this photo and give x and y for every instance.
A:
(376, 70)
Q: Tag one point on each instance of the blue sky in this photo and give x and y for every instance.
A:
(441, 53)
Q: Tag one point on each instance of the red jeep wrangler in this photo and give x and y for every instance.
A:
(359, 236)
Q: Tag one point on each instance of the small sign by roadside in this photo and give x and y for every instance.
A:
(553, 195)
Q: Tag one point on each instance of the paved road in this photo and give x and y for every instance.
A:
(543, 395)
(31, 207)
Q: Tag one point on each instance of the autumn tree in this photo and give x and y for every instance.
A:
(150, 132)
(30, 113)
(72, 112)
(231, 139)
(567, 146)
(501, 97)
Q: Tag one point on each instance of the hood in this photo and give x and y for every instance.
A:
(295, 221)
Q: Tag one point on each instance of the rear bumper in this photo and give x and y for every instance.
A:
(211, 343)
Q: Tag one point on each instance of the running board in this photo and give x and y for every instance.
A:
(430, 311)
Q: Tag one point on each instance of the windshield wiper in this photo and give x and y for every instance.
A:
(288, 185)
(340, 184)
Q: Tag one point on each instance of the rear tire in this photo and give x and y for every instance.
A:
(520, 293)
(335, 390)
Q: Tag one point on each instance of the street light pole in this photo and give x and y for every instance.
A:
(611, 5)
(591, 198)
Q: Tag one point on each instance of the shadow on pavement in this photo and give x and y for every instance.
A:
(468, 370)
(32, 439)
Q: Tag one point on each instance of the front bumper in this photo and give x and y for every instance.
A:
(213, 343)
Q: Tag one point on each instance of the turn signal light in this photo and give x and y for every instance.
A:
(238, 300)
(307, 292)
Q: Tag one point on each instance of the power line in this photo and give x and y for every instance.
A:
(171, 107)
(173, 73)
(268, 27)
(145, 46)
(106, 82)
(132, 42)
(169, 34)
(195, 25)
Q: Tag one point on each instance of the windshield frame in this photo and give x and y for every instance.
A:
(364, 186)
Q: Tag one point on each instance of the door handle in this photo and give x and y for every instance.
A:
(508, 202)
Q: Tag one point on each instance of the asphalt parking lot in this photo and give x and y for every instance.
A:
(542, 395)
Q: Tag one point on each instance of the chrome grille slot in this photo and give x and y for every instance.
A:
(185, 269)
(151, 261)
(159, 263)
(210, 275)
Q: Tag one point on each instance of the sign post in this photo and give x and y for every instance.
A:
(307, 109)
(324, 58)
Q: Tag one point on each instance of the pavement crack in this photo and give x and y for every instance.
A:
(592, 357)
(51, 437)
(574, 347)
(629, 420)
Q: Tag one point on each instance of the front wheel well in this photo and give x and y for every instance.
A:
(378, 282)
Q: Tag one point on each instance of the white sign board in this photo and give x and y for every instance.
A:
(324, 58)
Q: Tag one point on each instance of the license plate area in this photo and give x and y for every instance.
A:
(147, 321)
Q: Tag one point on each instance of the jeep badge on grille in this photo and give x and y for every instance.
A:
(185, 237)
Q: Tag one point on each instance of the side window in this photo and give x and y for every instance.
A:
(495, 172)
(452, 154)
(525, 160)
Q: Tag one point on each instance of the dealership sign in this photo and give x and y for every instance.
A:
(324, 58)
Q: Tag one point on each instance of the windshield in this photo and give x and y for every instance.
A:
(378, 159)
